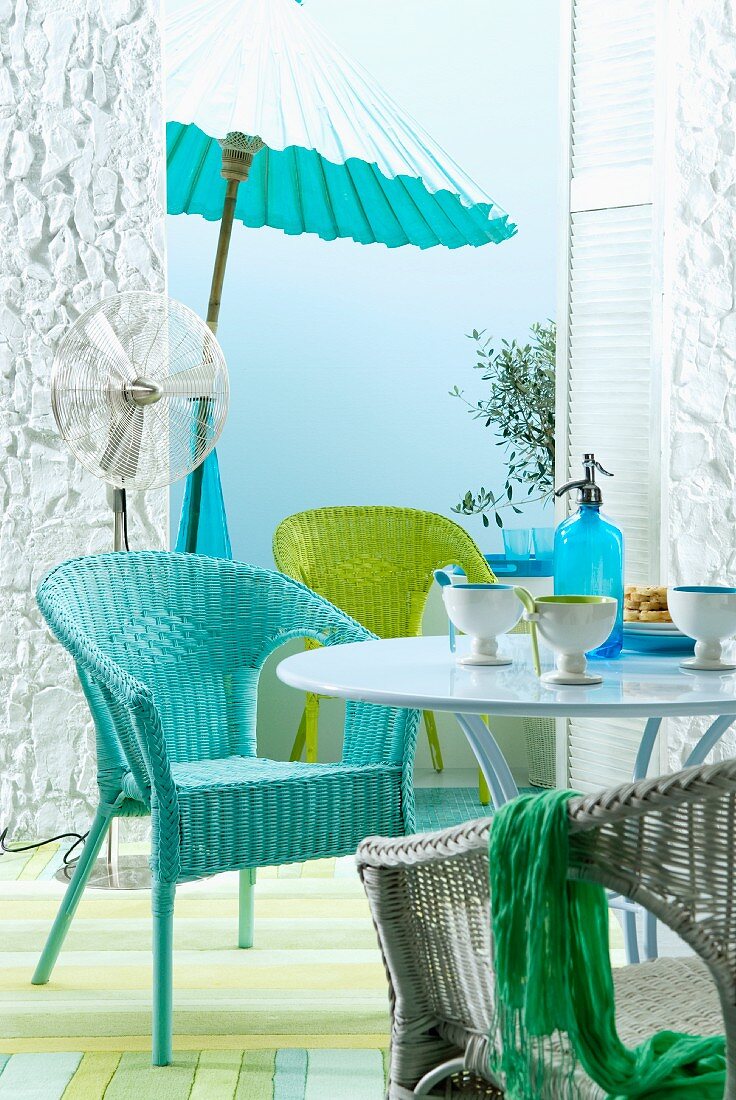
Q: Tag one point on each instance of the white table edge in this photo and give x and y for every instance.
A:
(563, 709)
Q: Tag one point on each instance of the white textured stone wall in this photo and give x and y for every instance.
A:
(81, 174)
(699, 346)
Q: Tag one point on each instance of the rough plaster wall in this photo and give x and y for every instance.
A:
(700, 330)
(81, 172)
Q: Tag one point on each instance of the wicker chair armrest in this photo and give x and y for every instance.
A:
(628, 801)
(345, 632)
(142, 737)
(633, 800)
(474, 565)
(390, 852)
(310, 616)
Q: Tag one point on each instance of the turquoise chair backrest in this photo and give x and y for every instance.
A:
(196, 631)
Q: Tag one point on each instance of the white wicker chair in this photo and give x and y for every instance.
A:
(667, 843)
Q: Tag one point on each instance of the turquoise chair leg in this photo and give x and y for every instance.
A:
(246, 909)
(72, 897)
(162, 905)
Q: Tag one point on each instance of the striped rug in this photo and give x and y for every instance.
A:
(301, 1016)
(287, 1074)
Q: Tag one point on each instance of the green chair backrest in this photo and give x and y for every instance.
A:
(375, 562)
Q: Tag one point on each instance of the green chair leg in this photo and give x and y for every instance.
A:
(307, 735)
(162, 906)
(72, 896)
(434, 741)
(301, 737)
(311, 714)
(246, 907)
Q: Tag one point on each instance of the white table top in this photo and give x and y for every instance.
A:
(422, 673)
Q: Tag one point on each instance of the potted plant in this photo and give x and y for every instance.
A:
(519, 406)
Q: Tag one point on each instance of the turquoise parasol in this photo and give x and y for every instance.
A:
(271, 124)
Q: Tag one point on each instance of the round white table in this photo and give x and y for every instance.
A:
(422, 673)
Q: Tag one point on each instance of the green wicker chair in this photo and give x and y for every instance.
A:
(169, 649)
(377, 564)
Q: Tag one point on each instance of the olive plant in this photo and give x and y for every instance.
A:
(519, 406)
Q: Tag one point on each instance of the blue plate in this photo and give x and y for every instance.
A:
(657, 643)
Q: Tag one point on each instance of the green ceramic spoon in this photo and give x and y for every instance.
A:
(528, 601)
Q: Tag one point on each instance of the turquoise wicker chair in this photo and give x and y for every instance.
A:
(169, 648)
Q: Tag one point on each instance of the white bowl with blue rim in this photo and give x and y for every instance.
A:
(484, 612)
(706, 613)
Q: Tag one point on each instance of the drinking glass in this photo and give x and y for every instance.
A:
(543, 539)
(517, 542)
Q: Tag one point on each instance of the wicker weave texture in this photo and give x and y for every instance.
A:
(667, 843)
(375, 562)
(541, 747)
(169, 649)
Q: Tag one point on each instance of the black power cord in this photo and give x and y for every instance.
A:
(78, 838)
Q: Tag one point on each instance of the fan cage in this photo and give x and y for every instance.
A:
(139, 390)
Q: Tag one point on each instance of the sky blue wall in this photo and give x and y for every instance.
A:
(341, 356)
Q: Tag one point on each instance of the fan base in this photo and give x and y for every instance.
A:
(130, 873)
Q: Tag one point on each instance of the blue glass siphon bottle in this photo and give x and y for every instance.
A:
(589, 553)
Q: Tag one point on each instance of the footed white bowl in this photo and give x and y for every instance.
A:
(483, 611)
(572, 626)
(708, 614)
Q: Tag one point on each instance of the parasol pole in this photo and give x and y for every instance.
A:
(238, 151)
(223, 247)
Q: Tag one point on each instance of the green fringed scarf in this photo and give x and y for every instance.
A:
(553, 975)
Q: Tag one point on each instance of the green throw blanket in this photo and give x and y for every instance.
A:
(553, 975)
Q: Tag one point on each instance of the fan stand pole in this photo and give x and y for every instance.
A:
(112, 872)
(120, 514)
(237, 156)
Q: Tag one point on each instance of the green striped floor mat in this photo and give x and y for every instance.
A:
(287, 1074)
(303, 1015)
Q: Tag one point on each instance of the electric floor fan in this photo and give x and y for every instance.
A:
(139, 391)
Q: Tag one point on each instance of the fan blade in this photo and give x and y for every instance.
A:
(193, 382)
(121, 455)
(104, 339)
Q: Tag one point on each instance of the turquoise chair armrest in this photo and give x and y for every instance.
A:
(128, 702)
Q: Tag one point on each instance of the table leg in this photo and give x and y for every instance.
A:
(709, 739)
(697, 755)
(631, 943)
(490, 759)
(646, 747)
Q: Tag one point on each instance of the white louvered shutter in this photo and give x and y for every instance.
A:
(608, 384)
